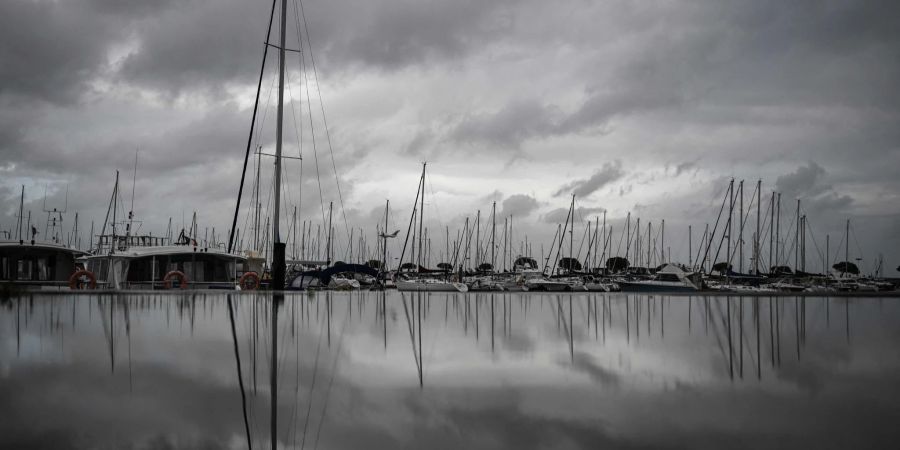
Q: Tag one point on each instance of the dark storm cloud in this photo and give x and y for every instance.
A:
(198, 46)
(507, 128)
(519, 205)
(611, 171)
(801, 181)
(50, 51)
(806, 183)
(393, 34)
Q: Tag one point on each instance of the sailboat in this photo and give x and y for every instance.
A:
(420, 280)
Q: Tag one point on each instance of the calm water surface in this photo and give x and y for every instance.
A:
(374, 370)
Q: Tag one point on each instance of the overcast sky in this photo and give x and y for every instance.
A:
(649, 107)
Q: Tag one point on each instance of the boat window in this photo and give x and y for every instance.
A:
(24, 269)
(43, 270)
(668, 277)
(194, 270)
(4, 268)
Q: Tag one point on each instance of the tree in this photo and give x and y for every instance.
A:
(617, 264)
(445, 266)
(408, 266)
(485, 267)
(846, 267)
(374, 263)
(570, 264)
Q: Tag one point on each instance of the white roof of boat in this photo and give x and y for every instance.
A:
(172, 250)
(40, 245)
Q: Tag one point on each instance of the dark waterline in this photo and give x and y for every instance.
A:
(376, 370)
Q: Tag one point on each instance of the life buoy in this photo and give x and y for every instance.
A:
(82, 279)
(168, 280)
(249, 281)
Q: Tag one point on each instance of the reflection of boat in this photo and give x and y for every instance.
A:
(36, 265)
(486, 284)
(784, 286)
(597, 284)
(431, 285)
(339, 282)
(670, 278)
(544, 284)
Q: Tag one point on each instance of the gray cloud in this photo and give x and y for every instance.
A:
(559, 215)
(611, 171)
(801, 181)
(519, 205)
(50, 51)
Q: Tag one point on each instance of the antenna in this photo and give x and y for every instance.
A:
(53, 227)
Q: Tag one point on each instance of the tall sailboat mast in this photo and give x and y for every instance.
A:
(278, 247)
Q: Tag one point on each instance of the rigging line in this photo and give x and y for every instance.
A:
(312, 134)
(837, 251)
(741, 231)
(337, 358)
(312, 387)
(237, 207)
(856, 241)
(816, 244)
(312, 60)
(713, 233)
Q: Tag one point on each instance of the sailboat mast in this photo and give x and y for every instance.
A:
(114, 207)
(757, 237)
(477, 239)
(493, 235)
(422, 219)
(847, 248)
(387, 206)
(329, 245)
(690, 262)
(797, 238)
(277, 245)
(133, 182)
(778, 232)
(741, 230)
(21, 212)
(572, 236)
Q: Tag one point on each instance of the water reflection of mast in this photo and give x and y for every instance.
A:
(797, 324)
(411, 325)
(18, 326)
(492, 322)
(758, 354)
(128, 336)
(847, 317)
(237, 358)
(741, 326)
(276, 299)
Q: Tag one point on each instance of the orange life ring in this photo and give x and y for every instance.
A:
(249, 281)
(77, 280)
(168, 279)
